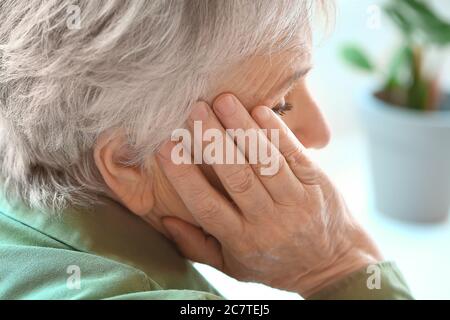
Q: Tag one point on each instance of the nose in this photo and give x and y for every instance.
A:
(312, 129)
(316, 140)
(307, 121)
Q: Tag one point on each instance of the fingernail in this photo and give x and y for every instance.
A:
(226, 105)
(199, 112)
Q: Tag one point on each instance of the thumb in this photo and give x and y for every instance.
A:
(193, 243)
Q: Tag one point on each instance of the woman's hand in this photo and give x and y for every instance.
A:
(291, 230)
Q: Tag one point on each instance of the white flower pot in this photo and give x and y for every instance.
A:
(410, 160)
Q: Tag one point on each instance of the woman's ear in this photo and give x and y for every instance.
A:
(132, 186)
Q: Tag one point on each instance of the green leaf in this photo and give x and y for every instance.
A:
(424, 11)
(356, 57)
(402, 60)
(416, 20)
(394, 12)
(435, 30)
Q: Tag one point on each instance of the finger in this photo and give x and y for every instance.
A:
(277, 178)
(210, 209)
(234, 172)
(193, 243)
(291, 148)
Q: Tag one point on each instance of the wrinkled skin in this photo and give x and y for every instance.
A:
(291, 230)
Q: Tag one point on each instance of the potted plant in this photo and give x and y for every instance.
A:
(407, 117)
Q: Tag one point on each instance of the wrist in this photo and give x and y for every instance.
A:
(342, 267)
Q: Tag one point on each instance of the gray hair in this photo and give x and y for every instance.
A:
(133, 65)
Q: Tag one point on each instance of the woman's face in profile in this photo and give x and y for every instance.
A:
(278, 83)
(281, 86)
(305, 118)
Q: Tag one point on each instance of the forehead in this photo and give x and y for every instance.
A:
(261, 79)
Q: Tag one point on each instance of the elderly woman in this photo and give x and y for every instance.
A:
(90, 92)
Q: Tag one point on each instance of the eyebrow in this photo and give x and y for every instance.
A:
(293, 78)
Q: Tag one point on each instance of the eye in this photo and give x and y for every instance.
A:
(282, 108)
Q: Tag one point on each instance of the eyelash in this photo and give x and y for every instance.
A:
(282, 108)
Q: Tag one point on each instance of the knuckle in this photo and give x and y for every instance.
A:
(181, 174)
(240, 181)
(208, 209)
(262, 210)
(200, 194)
(278, 164)
(259, 168)
(294, 204)
(271, 166)
(294, 156)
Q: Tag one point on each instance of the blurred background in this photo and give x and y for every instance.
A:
(421, 250)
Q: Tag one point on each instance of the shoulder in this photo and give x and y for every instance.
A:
(55, 273)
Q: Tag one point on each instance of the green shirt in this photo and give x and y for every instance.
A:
(109, 253)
